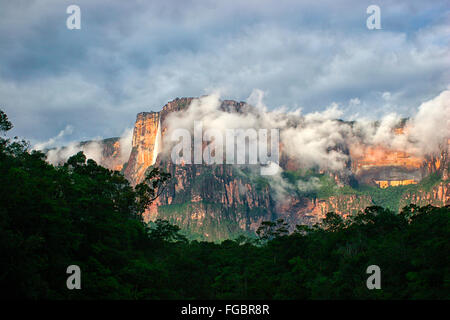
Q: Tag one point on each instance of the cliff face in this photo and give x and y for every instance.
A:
(438, 196)
(211, 201)
(304, 210)
(111, 154)
(146, 139)
(216, 202)
(438, 163)
(383, 167)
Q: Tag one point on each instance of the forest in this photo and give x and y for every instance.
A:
(82, 214)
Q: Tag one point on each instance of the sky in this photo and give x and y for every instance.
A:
(59, 85)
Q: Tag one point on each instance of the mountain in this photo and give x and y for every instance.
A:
(108, 152)
(220, 201)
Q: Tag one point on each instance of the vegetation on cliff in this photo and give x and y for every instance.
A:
(392, 198)
(83, 214)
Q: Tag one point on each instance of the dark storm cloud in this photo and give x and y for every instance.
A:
(132, 56)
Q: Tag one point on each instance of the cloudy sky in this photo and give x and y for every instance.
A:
(132, 56)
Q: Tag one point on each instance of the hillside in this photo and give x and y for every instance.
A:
(222, 201)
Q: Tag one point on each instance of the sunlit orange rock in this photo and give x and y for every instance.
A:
(144, 146)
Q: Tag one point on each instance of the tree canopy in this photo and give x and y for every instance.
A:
(83, 214)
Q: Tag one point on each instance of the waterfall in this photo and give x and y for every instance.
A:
(157, 143)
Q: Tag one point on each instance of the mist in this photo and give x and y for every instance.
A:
(320, 140)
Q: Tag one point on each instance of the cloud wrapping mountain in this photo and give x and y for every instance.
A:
(136, 55)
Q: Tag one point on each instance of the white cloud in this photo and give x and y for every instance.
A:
(68, 130)
(135, 56)
(317, 139)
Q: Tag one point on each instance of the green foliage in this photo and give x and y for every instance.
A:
(5, 124)
(260, 183)
(83, 214)
(388, 197)
(430, 181)
(150, 189)
(162, 230)
(220, 224)
(270, 230)
(79, 213)
(326, 186)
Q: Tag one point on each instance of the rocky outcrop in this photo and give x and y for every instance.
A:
(111, 154)
(344, 205)
(438, 163)
(438, 196)
(146, 139)
(309, 211)
(383, 167)
(215, 202)
(211, 201)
